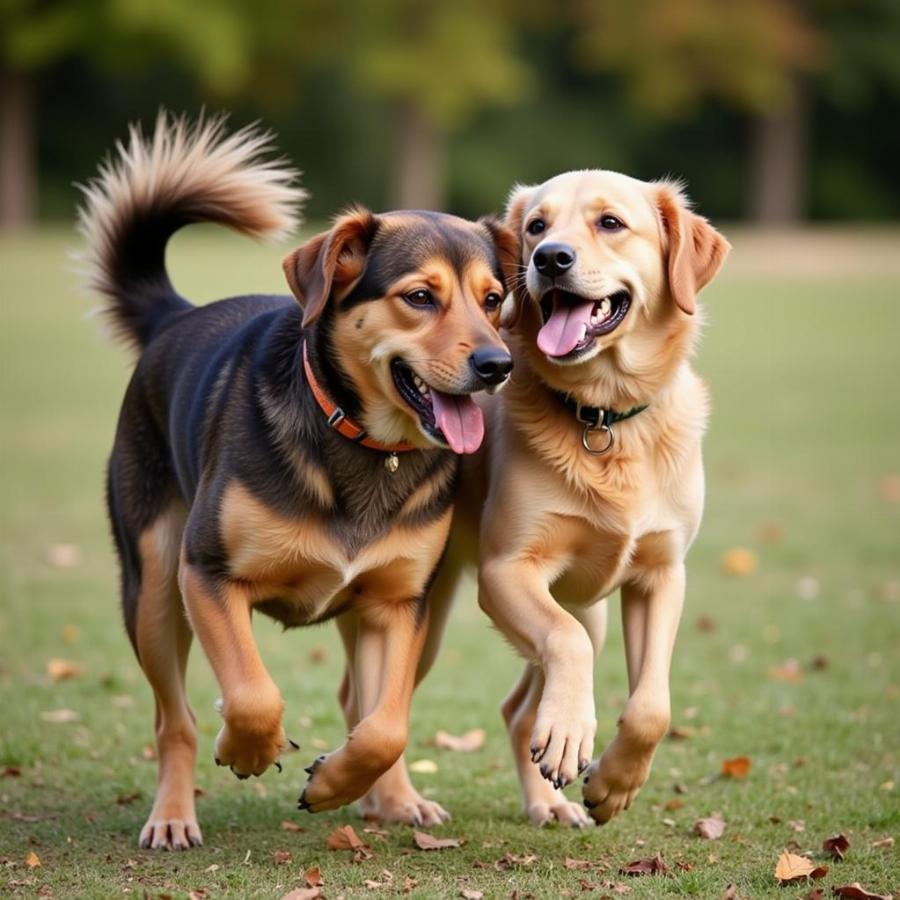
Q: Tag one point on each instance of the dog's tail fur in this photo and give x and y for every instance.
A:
(150, 188)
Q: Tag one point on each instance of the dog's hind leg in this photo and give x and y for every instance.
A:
(162, 639)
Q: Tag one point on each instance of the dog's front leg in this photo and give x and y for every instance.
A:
(388, 649)
(252, 737)
(651, 614)
(516, 597)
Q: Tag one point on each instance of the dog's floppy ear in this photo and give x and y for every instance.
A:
(516, 205)
(330, 260)
(508, 246)
(696, 250)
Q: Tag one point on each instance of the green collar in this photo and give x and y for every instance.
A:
(596, 419)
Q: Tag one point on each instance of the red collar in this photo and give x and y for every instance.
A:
(339, 422)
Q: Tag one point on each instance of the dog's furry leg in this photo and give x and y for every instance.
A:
(613, 781)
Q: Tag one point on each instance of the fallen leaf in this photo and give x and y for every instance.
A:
(739, 562)
(344, 838)
(706, 624)
(730, 893)
(710, 828)
(127, 799)
(281, 857)
(32, 860)
(769, 532)
(378, 832)
(797, 825)
(577, 863)
(791, 868)
(889, 488)
(836, 845)
(410, 884)
(303, 894)
(789, 671)
(63, 556)
(815, 894)
(63, 669)
(60, 716)
(466, 743)
(70, 634)
(429, 842)
(313, 877)
(423, 767)
(198, 894)
(673, 804)
(214, 867)
(653, 865)
(372, 885)
(512, 861)
(148, 752)
(680, 788)
(318, 655)
(884, 842)
(471, 895)
(857, 892)
(681, 732)
(11, 772)
(737, 767)
(287, 825)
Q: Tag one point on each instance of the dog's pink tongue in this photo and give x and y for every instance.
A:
(565, 327)
(461, 420)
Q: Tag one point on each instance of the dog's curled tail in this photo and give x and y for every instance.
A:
(149, 188)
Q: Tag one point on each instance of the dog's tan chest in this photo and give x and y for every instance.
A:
(299, 562)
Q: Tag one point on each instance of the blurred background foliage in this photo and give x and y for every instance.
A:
(774, 110)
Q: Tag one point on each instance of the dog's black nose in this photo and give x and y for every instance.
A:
(492, 365)
(554, 259)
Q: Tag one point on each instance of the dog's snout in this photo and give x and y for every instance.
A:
(492, 365)
(554, 259)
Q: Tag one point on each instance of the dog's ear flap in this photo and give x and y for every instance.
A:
(508, 246)
(330, 260)
(518, 201)
(695, 249)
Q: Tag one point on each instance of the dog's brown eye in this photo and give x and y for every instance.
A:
(420, 298)
(492, 301)
(536, 226)
(610, 223)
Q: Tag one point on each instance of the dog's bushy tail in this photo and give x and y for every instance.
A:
(149, 188)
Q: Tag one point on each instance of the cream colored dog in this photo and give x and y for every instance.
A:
(594, 474)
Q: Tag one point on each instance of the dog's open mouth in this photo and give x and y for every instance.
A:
(573, 323)
(454, 420)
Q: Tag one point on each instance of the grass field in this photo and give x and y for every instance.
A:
(805, 436)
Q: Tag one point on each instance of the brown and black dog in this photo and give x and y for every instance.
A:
(295, 458)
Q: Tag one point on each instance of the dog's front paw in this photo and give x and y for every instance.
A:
(562, 745)
(250, 753)
(614, 780)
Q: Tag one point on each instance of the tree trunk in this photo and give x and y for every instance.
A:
(780, 161)
(418, 181)
(17, 169)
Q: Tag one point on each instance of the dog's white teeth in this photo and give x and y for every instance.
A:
(421, 387)
(584, 330)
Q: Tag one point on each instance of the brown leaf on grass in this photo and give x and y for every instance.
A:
(739, 562)
(731, 893)
(373, 885)
(318, 655)
(70, 634)
(857, 892)
(471, 895)
(378, 832)
(60, 716)
(681, 732)
(344, 838)
(889, 488)
(304, 894)
(711, 828)
(313, 877)
(883, 842)
(819, 662)
(815, 894)
(706, 624)
(512, 861)
(673, 804)
(32, 860)
(63, 669)
(148, 752)
(410, 884)
(429, 842)
(797, 825)
(127, 799)
(652, 865)
(769, 532)
(10, 772)
(577, 863)
(287, 825)
(789, 672)
(791, 868)
(466, 743)
(281, 857)
(736, 767)
(836, 845)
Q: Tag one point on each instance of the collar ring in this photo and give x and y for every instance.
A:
(586, 439)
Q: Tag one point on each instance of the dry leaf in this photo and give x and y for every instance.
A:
(653, 865)
(471, 895)
(681, 732)
(791, 867)
(737, 767)
(127, 799)
(10, 772)
(287, 825)
(344, 838)
(769, 532)
(837, 845)
(739, 562)
(857, 892)
(889, 488)
(63, 669)
(303, 894)
(466, 743)
(577, 863)
(429, 842)
(797, 825)
(884, 842)
(70, 634)
(673, 804)
(730, 893)
(63, 556)
(372, 885)
(815, 894)
(60, 716)
(511, 861)
(789, 671)
(710, 828)
(318, 655)
(281, 857)
(148, 752)
(32, 860)
(214, 867)
(423, 767)
(313, 877)
(706, 624)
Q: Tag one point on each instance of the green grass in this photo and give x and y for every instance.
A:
(806, 423)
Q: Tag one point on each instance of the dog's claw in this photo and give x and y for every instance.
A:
(242, 776)
(278, 766)
(301, 803)
(294, 744)
(218, 761)
(583, 764)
